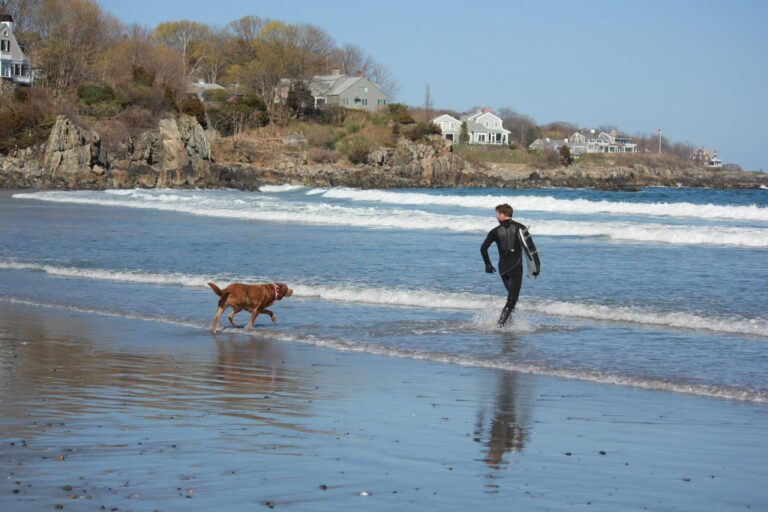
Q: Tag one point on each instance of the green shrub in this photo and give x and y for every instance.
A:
(355, 148)
(379, 120)
(399, 113)
(216, 95)
(96, 94)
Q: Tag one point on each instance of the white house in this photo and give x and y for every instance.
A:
(449, 126)
(548, 144)
(483, 127)
(14, 65)
(600, 143)
(707, 157)
(581, 144)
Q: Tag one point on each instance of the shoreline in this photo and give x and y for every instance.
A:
(75, 158)
(138, 414)
(246, 178)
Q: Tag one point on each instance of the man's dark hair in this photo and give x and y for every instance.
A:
(505, 209)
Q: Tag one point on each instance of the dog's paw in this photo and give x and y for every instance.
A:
(274, 319)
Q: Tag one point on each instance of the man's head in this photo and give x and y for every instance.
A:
(503, 212)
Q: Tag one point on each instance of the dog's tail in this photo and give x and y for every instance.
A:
(216, 289)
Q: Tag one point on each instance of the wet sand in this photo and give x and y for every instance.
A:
(108, 413)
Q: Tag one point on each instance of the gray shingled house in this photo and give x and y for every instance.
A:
(346, 91)
(14, 65)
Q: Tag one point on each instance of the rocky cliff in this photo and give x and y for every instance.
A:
(177, 154)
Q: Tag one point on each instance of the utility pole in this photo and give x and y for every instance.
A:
(658, 132)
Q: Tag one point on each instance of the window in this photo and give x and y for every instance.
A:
(365, 101)
(381, 102)
(5, 45)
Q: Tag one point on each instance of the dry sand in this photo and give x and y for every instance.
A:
(108, 413)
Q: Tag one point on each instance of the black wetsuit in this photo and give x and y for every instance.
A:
(511, 238)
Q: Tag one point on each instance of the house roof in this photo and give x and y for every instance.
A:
(16, 53)
(548, 144)
(342, 85)
(321, 85)
(334, 85)
(445, 117)
(474, 126)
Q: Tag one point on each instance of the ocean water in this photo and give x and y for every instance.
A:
(663, 289)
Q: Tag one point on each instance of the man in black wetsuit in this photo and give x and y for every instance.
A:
(512, 238)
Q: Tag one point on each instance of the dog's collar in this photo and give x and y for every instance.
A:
(277, 291)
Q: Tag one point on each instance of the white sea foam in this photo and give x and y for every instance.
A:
(724, 392)
(125, 276)
(428, 299)
(551, 204)
(272, 189)
(256, 208)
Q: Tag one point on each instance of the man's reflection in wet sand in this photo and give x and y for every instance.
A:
(507, 428)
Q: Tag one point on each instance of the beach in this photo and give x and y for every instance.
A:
(111, 413)
(631, 376)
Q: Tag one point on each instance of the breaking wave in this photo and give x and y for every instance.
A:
(551, 204)
(255, 207)
(427, 299)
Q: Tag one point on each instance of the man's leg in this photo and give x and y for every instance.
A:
(512, 282)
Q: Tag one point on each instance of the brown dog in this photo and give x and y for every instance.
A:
(250, 297)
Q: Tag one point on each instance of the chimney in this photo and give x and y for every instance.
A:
(7, 19)
(613, 133)
(486, 110)
(335, 71)
(359, 72)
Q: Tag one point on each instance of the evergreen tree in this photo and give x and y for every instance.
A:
(464, 134)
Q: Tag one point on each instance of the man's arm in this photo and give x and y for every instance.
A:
(484, 250)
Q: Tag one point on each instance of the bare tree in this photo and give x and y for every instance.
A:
(22, 12)
(428, 109)
(71, 37)
(519, 126)
(350, 59)
(188, 38)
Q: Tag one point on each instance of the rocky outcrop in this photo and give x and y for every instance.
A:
(177, 154)
(73, 156)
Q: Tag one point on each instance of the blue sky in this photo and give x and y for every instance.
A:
(695, 69)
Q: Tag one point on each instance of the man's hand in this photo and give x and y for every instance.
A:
(489, 269)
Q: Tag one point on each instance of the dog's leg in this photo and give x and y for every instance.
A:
(231, 316)
(254, 314)
(271, 315)
(215, 322)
